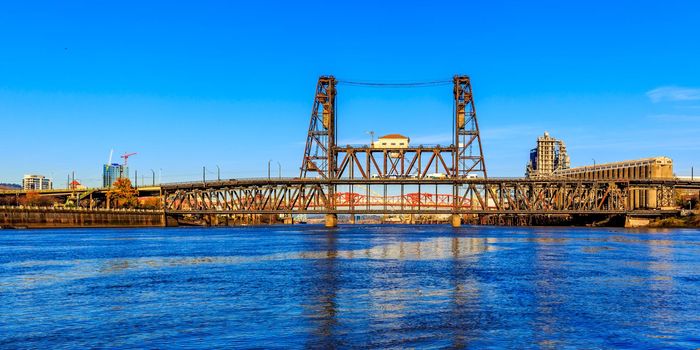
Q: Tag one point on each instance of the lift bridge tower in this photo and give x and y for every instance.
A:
(324, 159)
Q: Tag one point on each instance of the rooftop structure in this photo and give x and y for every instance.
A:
(392, 141)
(645, 168)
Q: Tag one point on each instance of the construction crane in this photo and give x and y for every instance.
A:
(126, 157)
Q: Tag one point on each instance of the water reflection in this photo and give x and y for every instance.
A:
(662, 288)
(548, 288)
(465, 290)
(438, 248)
(320, 309)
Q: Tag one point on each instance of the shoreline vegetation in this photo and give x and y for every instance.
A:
(690, 221)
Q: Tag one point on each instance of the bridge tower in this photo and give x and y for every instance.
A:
(468, 157)
(319, 159)
(319, 155)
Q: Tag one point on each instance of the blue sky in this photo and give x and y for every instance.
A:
(231, 83)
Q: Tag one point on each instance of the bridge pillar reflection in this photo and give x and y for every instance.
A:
(331, 220)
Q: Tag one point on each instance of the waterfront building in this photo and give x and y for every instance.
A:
(112, 172)
(36, 182)
(547, 158)
(637, 169)
(392, 141)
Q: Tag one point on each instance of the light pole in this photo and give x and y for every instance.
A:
(204, 176)
(371, 135)
(218, 173)
(279, 170)
(268, 168)
(153, 172)
(593, 168)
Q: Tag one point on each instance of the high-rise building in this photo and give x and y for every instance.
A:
(36, 182)
(112, 172)
(548, 157)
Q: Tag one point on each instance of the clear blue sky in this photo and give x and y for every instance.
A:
(231, 83)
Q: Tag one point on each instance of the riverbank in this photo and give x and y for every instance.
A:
(690, 221)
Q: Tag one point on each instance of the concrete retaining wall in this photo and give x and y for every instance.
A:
(37, 217)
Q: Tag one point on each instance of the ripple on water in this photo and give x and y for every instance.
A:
(367, 286)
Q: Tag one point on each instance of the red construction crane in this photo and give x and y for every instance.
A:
(126, 157)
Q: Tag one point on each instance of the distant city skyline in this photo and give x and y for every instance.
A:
(231, 85)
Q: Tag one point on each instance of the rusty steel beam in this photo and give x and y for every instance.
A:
(476, 196)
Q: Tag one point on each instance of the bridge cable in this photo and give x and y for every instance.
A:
(396, 85)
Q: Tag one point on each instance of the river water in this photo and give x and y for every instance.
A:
(354, 286)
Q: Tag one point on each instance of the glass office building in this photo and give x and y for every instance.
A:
(111, 172)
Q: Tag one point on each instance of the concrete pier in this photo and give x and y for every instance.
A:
(632, 221)
(331, 220)
(456, 220)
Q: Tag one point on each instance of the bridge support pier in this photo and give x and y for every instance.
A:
(331, 220)
(456, 220)
(288, 220)
(633, 221)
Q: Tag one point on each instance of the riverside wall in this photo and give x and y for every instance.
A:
(39, 217)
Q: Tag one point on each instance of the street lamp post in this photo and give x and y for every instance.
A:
(268, 168)
(593, 168)
(279, 170)
(204, 176)
(218, 173)
(153, 172)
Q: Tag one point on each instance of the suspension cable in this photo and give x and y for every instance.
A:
(395, 85)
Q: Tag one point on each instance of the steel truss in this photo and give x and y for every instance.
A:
(411, 196)
(373, 163)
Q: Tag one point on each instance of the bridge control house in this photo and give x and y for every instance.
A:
(391, 141)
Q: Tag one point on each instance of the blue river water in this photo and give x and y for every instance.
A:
(305, 286)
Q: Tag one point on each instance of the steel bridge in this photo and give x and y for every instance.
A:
(345, 179)
(447, 180)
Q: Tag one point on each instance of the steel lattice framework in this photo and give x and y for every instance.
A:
(467, 160)
(318, 157)
(476, 196)
(325, 159)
